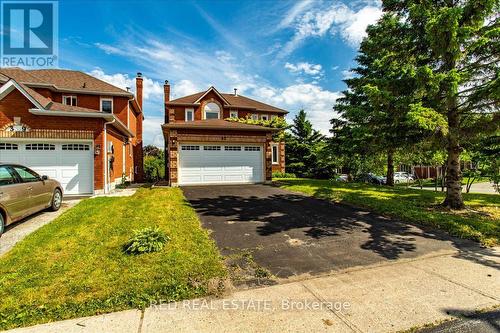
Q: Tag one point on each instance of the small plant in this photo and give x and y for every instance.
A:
(283, 175)
(145, 241)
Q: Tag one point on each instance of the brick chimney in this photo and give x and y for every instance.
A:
(138, 89)
(166, 93)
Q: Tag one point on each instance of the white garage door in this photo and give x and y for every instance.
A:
(71, 163)
(220, 164)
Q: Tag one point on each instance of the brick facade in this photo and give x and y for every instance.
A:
(15, 106)
(174, 137)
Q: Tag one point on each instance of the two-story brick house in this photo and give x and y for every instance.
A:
(72, 127)
(204, 148)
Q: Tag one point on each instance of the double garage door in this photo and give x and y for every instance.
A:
(220, 164)
(70, 163)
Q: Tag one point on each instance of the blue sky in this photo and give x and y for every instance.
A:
(292, 54)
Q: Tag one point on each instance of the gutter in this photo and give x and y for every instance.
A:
(106, 166)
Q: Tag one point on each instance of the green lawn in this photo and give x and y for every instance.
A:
(75, 266)
(481, 222)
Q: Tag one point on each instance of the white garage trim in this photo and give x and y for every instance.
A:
(220, 163)
(75, 178)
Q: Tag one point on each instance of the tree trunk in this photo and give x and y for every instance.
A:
(390, 168)
(454, 198)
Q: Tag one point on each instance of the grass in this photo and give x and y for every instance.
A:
(75, 265)
(480, 222)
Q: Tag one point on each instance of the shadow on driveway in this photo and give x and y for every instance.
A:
(294, 234)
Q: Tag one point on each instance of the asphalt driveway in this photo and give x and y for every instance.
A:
(291, 234)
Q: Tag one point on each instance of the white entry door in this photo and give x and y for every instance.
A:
(220, 164)
(70, 163)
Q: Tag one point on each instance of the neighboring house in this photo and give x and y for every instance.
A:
(204, 148)
(72, 127)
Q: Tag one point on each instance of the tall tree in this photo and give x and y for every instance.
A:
(377, 102)
(302, 146)
(461, 42)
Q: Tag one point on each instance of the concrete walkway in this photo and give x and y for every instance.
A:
(19, 230)
(384, 298)
(484, 188)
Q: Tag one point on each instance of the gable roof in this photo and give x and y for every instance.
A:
(236, 101)
(62, 80)
(47, 107)
(212, 88)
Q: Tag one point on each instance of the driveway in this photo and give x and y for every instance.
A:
(19, 230)
(292, 235)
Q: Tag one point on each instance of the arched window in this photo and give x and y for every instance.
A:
(211, 111)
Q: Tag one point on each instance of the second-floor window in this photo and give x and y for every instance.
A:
(189, 116)
(69, 100)
(107, 105)
(211, 111)
(264, 117)
(255, 116)
(233, 114)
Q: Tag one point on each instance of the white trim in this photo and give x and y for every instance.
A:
(102, 99)
(212, 88)
(205, 114)
(231, 112)
(46, 140)
(264, 115)
(11, 85)
(124, 156)
(97, 114)
(254, 116)
(186, 110)
(277, 153)
(71, 97)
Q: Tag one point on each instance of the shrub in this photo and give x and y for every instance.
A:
(283, 175)
(145, 241)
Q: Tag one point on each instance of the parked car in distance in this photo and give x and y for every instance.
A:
(370, 178)
(342, 178)
(403, 177)
(24, 192)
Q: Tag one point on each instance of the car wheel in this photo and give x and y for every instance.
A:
(56, 200)
(2, 224)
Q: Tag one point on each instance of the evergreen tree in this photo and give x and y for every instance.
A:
(460, 42)
(302, 146)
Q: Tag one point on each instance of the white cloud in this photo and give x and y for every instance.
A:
(293, 12)
(305, 67)
(183, 88)
(338, 18)
(151, 89)
(347, 74)
(152, 134)
(315, 100)
(191, 69)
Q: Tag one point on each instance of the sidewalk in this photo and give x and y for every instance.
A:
(484, 188)
(385, 298)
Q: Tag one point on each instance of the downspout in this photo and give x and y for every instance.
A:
(106, 155)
